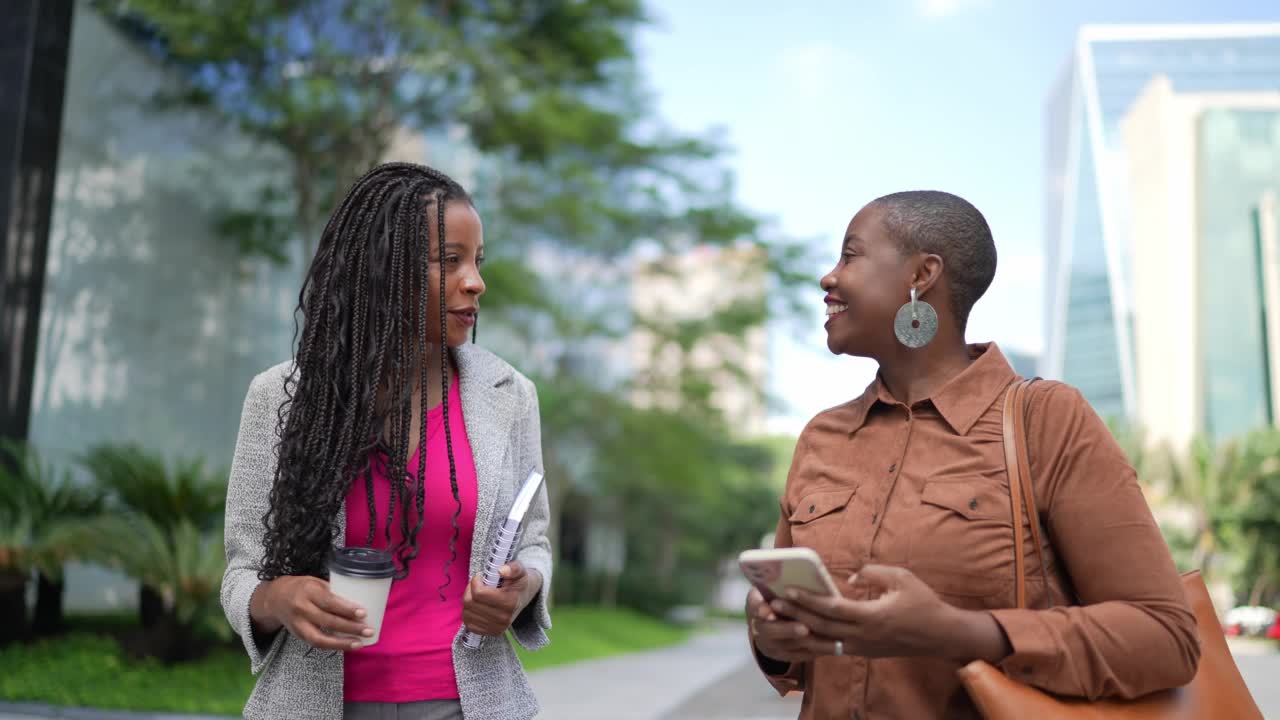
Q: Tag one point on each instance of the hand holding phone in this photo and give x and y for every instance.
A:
(774, 571)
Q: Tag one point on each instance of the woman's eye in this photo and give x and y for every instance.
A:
(480, 261)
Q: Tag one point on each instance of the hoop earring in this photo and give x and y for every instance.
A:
(916, 323)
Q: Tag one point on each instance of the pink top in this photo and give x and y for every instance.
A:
(413, 658)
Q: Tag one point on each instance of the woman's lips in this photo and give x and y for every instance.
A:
(466, 317)
(834, 310)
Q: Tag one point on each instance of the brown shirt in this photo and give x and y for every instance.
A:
(925, 487)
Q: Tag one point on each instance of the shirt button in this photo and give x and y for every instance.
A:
(893, 467)
(812, 508)
(973, 504)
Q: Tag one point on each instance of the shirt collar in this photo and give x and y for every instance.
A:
(961, 401)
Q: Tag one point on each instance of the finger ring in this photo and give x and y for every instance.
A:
(839, 648)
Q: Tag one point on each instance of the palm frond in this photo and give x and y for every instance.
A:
(185, 564)
(139, 482)
(37, 499)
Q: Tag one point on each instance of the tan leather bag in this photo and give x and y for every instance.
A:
(1217, 691)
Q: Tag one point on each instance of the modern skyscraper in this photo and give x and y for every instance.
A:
(1089, 248)
(1200, 166)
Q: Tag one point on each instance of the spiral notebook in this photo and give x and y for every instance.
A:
(506, 543)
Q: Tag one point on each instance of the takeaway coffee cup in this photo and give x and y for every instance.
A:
(363, 576)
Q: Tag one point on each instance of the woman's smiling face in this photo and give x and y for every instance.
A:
(870, 281)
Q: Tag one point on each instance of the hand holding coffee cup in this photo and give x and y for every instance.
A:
(489, 611)
(310, 611)
(362, 577)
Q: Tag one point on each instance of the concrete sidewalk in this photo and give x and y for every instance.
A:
(743, 694)
(640, 686)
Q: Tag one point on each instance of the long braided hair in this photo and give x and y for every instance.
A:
(348, 401)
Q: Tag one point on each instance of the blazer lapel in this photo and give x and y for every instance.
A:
(488, 410)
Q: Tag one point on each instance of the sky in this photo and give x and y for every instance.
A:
(827, 105)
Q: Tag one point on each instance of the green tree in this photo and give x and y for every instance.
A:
(181, 563)
(569, 156)
(685, 495)
(1232, 490)
(1212, 479)
(549, 90)
(1260, 521)
(35, 503)
(685, 485)
(138, 484)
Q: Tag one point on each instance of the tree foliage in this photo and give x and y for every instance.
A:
(540, 109)
(1230, 492)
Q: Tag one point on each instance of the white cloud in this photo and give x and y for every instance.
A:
(814, 69)
(943, 9)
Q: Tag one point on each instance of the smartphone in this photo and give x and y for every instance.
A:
(774, 571)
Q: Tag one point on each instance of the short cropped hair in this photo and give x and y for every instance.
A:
(949, 226)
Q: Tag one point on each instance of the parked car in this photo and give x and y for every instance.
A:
(1249, 620)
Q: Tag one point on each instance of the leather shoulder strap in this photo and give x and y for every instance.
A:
(1021, 490)
(1014, 469)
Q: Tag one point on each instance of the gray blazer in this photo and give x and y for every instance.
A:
(500, 409)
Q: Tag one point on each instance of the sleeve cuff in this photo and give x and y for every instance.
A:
(238, 613)
(790, 680)
(531, 625)
(1035, 657)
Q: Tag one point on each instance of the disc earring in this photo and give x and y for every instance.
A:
(916, 322)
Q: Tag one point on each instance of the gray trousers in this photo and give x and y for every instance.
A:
(425, 710)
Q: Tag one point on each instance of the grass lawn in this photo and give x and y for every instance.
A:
(85, 668)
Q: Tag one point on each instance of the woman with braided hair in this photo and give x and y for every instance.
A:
(387, 430)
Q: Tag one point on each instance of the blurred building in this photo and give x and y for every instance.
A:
(151, 325)
(682, 304)
(1201, 169)
(1100, 198)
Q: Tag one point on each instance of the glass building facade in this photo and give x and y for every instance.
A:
(1088, 307)
(1239, 160)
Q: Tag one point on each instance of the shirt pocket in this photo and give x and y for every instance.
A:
(962, 538)
(818, 518)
